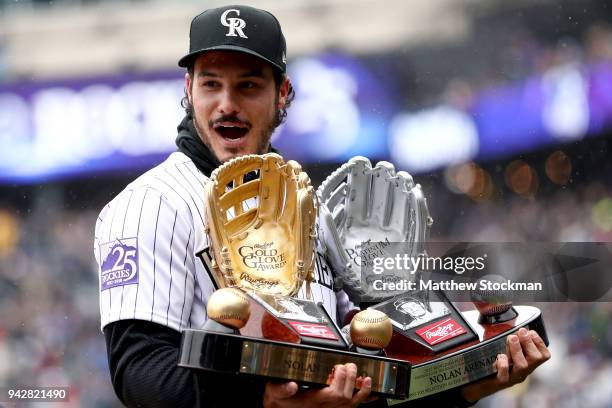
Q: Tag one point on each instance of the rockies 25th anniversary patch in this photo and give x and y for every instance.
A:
(119, 263)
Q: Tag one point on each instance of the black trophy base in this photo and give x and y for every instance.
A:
(230, 354)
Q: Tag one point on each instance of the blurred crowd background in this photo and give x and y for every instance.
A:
(501, 110)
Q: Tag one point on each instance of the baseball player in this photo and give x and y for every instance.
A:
(150, 243)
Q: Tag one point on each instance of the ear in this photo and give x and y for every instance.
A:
(283, 92)
(188, 84)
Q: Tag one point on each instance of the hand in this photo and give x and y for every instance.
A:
(526, 351)
(339, 393)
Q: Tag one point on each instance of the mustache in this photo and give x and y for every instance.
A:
(229, 118)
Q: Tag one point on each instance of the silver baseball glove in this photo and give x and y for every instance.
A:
(373, 205)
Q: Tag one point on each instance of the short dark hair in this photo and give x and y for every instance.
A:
(279, 78)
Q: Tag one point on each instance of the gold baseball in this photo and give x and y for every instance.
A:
(230, 307)
(371, 329)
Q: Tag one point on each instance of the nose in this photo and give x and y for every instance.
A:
(228, 103)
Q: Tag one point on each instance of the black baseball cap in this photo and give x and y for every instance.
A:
(237, 28)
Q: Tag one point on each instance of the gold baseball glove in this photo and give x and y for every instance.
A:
(261, 218)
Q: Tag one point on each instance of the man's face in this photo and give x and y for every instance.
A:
(235, 102)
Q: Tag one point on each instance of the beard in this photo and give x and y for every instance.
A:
(263, 138)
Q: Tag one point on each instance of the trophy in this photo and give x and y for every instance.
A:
(372, 217)
(448, 348)
(261, 217)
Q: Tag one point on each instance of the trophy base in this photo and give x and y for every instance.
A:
(230, 354)
(468, 362)
(291, 340)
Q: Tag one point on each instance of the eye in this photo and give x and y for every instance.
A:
(248, 85)
(210, 84)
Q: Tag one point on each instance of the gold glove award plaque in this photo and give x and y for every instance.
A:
(261, 218)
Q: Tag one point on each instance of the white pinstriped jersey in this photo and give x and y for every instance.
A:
(147, 243)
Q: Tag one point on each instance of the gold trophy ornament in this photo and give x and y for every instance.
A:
(229, 307)
(261, 221)
(371, 331)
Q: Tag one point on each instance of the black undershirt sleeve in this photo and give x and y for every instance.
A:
(143, 360)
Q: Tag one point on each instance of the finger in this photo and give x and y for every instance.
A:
(332, 196)
(503, 368)
(337, 384)
(531, 352)
(332, 191)
(287, 210)
(519, 368)
(281, 390)
(359, 179)
(336, 199)
(508, 353)
(537, 340)
(269, 204)
(422, 221)
(349, 385)
(381, 199)
(400, 210)
(332, 183)
(339, 216)
(364, 392)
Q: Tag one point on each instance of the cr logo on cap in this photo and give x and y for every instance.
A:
(235, 24)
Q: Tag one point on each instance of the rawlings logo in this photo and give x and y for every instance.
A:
(234, 24)
(313, 330)
(440, 331)
(260, 283)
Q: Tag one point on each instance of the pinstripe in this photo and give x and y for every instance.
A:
(194, 190)
(122, 231)
(154, 257)
(178, 195)
(188, 193)
(138, 235)
(199, 286)
(110, 234)
(100, 258)
(171, 253)
(185, 288)
(195, 176)
(126, 210)
(194, 293)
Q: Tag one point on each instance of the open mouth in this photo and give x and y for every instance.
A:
(231, 131)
